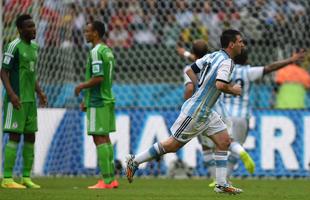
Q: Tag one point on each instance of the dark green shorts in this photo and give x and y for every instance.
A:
(23, 120)
(101, 120)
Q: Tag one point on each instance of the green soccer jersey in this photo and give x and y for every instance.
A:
(20, 60)
(100, 62)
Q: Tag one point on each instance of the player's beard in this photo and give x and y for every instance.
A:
(242, 57)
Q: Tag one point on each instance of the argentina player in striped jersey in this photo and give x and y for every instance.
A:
(199, 49)
(235, 110)
(238, 107)
(197, 117)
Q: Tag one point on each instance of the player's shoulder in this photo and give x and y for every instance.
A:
(227, 61)
(34, 45)
(101, 49)
(95, 51)
(106, 51)
(12, 46)
(221, 56)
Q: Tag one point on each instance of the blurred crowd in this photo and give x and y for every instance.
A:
(154, 28)
(167, 22)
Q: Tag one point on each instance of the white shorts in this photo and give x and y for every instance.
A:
(207, 142)
(240, 127)
(185, 128)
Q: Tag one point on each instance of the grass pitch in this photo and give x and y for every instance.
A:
(162, 189)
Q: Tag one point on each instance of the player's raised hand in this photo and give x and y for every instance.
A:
(298, 56)
(181, 51)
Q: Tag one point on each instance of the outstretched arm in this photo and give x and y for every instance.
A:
(282, 63)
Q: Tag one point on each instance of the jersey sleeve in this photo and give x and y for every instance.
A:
(198, 65)
(96, 63)
(255, 73)
(9, 55)
(224, 71)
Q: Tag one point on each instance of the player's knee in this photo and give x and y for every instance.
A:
(30, 138)
(15, 137)
(101, 139)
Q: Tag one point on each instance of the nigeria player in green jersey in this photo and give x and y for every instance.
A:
(18, 75)
(99, 102)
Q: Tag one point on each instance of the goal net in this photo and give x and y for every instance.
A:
(148, 77)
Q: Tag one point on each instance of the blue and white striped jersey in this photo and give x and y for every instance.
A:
(219, 106)
(211, 67)
(245, 75)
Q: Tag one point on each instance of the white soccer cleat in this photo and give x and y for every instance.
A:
(131, 167)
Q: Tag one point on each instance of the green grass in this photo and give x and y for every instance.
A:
(162, 189)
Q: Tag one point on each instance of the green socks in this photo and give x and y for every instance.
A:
(9, 158)
(112, 161)
(106, 162)
(28, 156)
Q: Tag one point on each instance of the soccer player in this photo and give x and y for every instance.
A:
(99, 102)
(237, 109)
(199, 49)
(18, 75)
(238, 106)
(197, 117)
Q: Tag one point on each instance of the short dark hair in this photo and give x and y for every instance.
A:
(20, 20)
(200, 48)
(242, 58)
(99, 27)
(228, 36)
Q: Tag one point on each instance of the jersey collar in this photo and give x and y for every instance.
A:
(225, 52)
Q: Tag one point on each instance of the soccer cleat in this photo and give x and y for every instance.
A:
(11, 184)
(248, 162)
(114, 184)
(101, 185)
(226, 188)
(27, 182)
(212, 184)
(131, 167)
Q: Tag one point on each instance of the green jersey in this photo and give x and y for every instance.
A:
(100, 62)
(20, 60)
